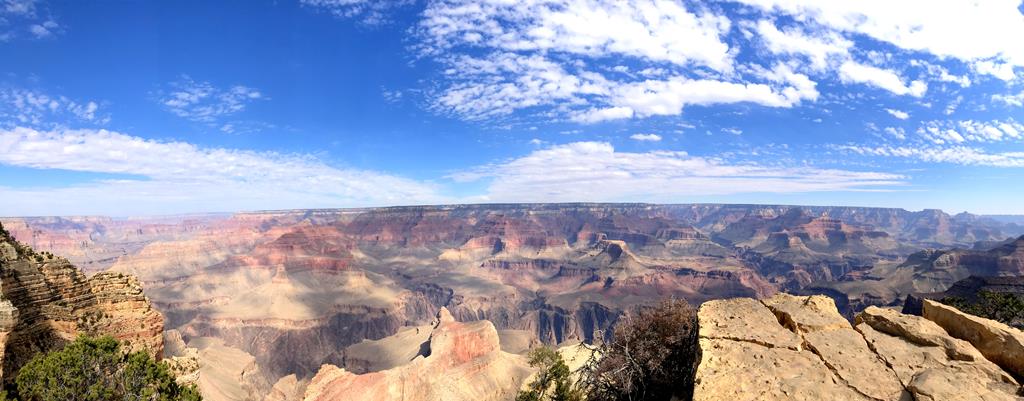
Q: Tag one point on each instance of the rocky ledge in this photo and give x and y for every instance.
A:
(800, 348)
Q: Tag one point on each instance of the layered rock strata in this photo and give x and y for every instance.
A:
(45, 301)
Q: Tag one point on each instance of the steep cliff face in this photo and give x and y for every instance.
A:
(45, 301)
(801, 348)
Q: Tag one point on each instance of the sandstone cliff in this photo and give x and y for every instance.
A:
(460, 361)
(800, 348)
(45, 301)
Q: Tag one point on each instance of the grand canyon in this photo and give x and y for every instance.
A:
(287, 304)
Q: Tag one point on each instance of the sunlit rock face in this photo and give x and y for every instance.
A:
(45, 302)
(293, 290)
(801, 348)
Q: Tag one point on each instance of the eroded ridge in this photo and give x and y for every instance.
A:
(800, 348)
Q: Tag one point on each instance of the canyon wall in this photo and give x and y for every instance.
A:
(45, 301)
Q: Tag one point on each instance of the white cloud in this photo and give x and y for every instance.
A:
(669, 97)
(645, 137)
(972, 31)
(371, 12)
(37, 108)
(595, 171)
(663, 31)
(43, 30)
(203, 102)
(961, 155)
(896, 132)
(900, 114)
(181, 177)
(1010, 99)
(851, 71)
(955, 132)
(19, 7)
(818, 48)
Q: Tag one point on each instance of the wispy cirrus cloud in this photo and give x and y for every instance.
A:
(369, 12)
(26, 19)
(962, 155)
(177, 177)
(203, 102)
(557, 59)
(40, 109)
(596, 171)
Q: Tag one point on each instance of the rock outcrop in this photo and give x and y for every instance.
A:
(461, 361)
(998, 342)
(45, 301)
(800, 348)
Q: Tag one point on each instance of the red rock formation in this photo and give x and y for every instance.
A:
(464, 362)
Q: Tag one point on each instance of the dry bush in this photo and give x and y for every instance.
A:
(653, 355)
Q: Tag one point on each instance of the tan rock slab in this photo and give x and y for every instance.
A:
(744, 319)
(813, 313)
(848, 355)
(917, 330)
(743, 371)
(998, 342)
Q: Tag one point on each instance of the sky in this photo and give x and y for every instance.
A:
(156, 108)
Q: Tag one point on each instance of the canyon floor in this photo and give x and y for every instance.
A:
(267, 298)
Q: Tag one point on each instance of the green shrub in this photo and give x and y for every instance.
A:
(553, 381)
(95, 369)
(999, 306)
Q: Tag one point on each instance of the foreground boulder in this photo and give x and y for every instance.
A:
(800, 348)
(999, 343)
(460, 361)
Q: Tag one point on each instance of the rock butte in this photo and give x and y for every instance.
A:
(460, 361)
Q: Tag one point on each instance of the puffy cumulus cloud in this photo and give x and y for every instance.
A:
(655, 30)
(181, 177)
(818, 47)
(645, 137)
(962, 155)
(900, 114)
(984, 34)
(852, 71)
(39, 109)
(595, 171)
(203, 102)
(1010, 99)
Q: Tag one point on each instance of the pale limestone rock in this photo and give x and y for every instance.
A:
(813, 313)
(958, 383)
(846, 352)
(734, 319)
(741, 371)
(887, 357)
(917, 330)
(998, 342)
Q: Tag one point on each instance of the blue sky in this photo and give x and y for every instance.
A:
(141, 108)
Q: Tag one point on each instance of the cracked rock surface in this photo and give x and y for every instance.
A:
(800, 348)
